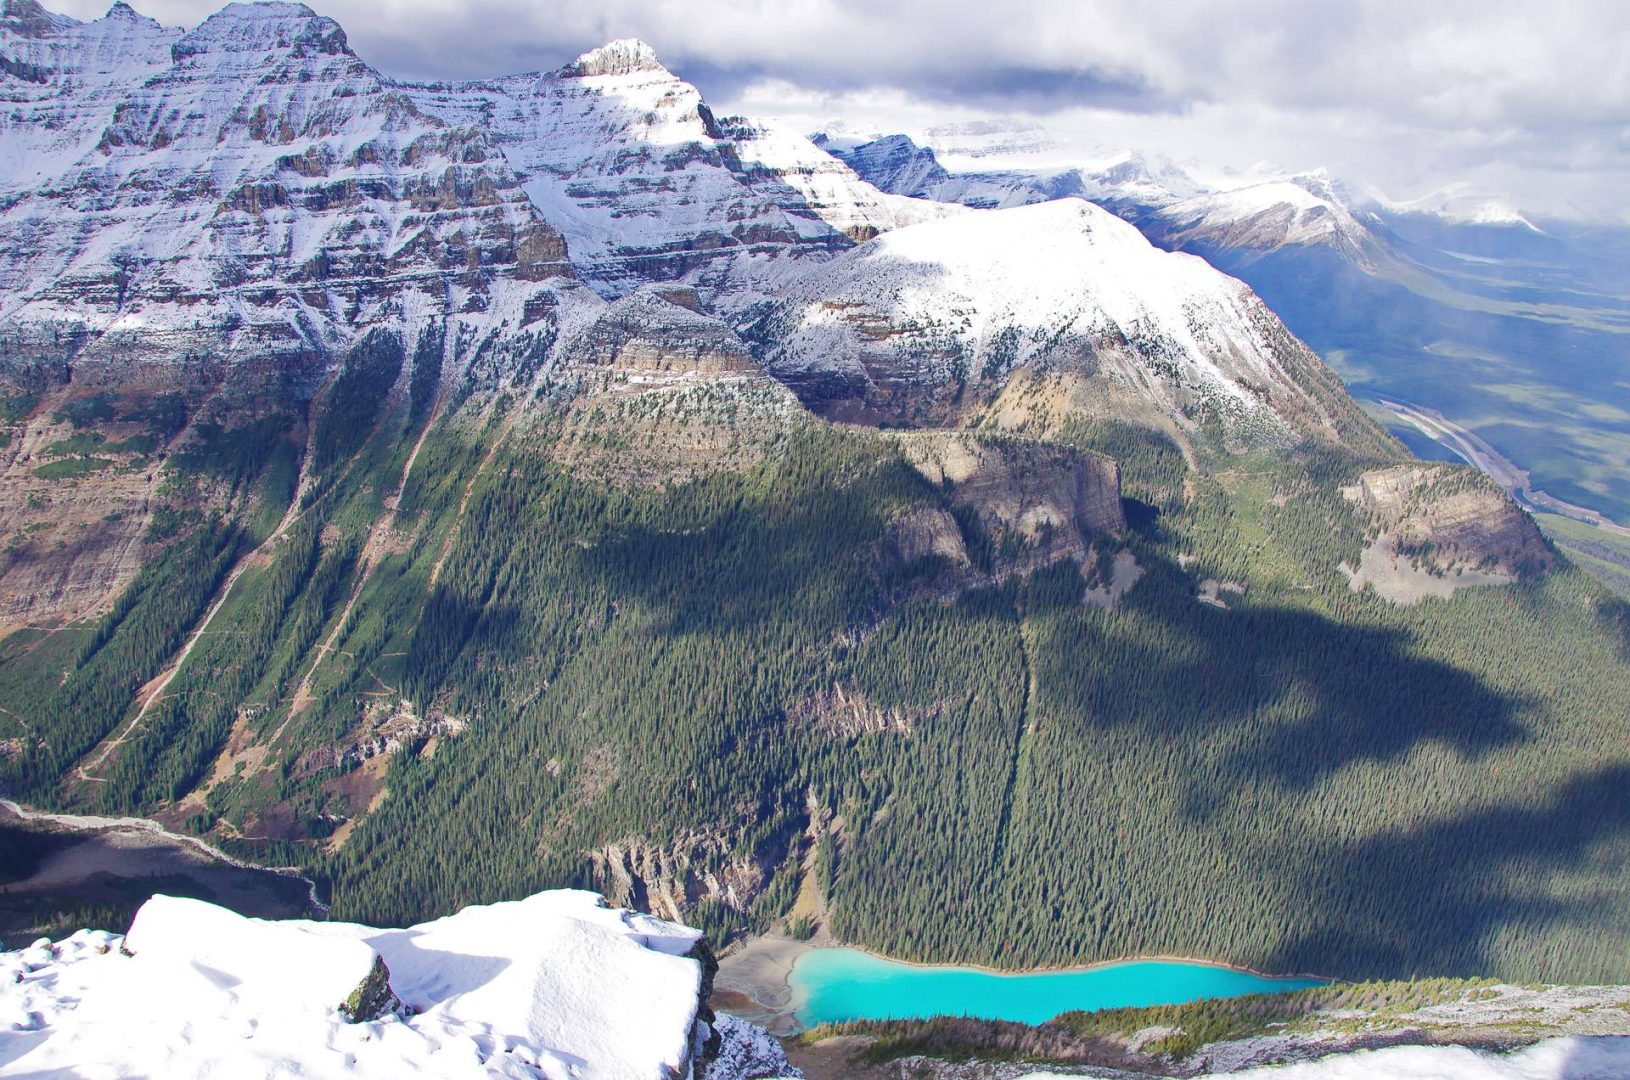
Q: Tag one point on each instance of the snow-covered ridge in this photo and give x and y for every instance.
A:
(945, 312)
(646, 183)
(1305, 209)
(1459, 204)
(1256, 212)
(556, 985)
(625, 56)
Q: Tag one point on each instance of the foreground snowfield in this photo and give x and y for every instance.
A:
(556, 985)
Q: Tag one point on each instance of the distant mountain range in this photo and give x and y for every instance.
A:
(1454, 301)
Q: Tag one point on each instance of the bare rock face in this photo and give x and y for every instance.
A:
(1451, 517)
(927, 532)
(669, 879)
(658, 333)
(845, 712)
(1036, 502)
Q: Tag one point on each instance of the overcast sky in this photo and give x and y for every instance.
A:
(1524, 99)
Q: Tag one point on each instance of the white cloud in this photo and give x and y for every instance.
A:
(1529, 100)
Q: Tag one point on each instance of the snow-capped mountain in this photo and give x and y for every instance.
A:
(898, 164)
(1172, 206)
(1304, 210)
(252, 188)
(245, 190)
(929, 324)
(647, 184)
(1459, 204)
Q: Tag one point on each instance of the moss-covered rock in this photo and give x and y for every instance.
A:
(373, 996)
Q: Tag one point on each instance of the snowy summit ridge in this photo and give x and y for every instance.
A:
(625, 56)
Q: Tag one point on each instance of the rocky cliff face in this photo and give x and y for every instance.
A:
(200, 233)
(1034, 503)
(654, 392)
(263, 194)
(893, 163)
(1450, 517)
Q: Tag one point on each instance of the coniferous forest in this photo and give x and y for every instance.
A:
(505, 674)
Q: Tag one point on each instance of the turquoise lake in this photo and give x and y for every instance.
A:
(831, 985)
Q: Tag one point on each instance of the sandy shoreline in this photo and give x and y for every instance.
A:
(754, 982)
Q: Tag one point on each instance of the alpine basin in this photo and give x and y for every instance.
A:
(833, 985)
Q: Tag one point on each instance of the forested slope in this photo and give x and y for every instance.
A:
(511, 675)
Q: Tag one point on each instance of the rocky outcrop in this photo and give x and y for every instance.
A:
(1034, 503)
(926, 532)
(670, 878)
(658, 333)
(844, 712)
(1451, 516)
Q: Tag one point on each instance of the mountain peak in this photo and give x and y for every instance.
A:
(264, 27)
(26, 18)
(624, 56)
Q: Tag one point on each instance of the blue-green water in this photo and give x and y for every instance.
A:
(831, 985)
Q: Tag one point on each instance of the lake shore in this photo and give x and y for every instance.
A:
(754, 982)
(755, 978)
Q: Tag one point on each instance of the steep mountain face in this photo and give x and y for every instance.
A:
(209, 228)
(928, 325)
(1035, 503)
(647, 184)
(62, 79)
(892, 163)
(265, 191)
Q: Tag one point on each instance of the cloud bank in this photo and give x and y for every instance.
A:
(1530, 101)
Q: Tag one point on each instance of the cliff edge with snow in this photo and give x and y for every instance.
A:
(557, 985)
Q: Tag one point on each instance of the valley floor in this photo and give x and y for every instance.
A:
(108, 866)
